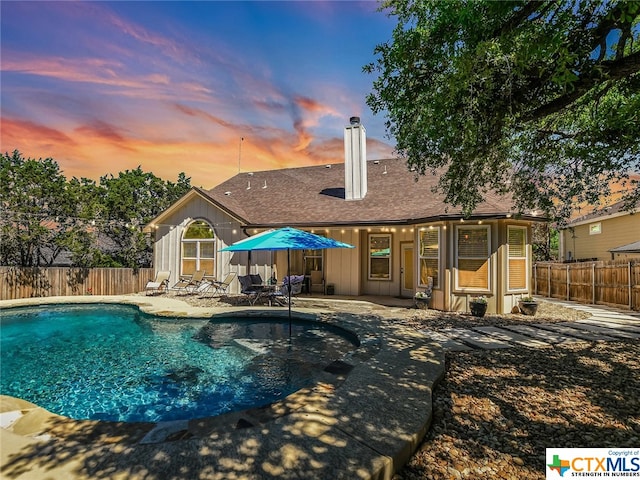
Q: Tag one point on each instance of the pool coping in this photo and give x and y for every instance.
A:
(362, 425)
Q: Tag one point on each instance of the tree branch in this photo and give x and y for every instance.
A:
(612, 70)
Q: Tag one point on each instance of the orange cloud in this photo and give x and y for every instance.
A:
(99, 148)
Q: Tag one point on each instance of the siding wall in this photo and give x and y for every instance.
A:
(384, 287)
(615, 232)
(167, 251)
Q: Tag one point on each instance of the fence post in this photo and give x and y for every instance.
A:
(535, 278)
(549, 281)
(630, 290)
(568, 284)
(593, 283)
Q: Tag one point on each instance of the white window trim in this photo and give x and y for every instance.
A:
(526, 258)
(197, 241)
(595, 228)
(487, 258)
(420, 257)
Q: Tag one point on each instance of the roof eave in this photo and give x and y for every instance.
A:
(397, 222)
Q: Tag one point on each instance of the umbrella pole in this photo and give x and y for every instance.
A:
(289, 286)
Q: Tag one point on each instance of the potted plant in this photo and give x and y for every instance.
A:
(422, 300)
(528, 306)
(478, 306)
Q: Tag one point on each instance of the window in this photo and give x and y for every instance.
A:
(312, 260)
(429, 255)
(473, 253)
(595, 228)
(379, 257)
(517, 258)
(198, 248)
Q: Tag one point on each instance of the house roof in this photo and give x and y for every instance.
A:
(612, 211)
(315, 196)
(629, 248)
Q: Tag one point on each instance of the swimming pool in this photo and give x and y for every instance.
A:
(114, 362)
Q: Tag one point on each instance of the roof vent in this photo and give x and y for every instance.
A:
(327, 166)
(354, 120)
(249, 185)
(227, 193)
(250, 174)
(376, 162)
(385, 170)
(265, 184)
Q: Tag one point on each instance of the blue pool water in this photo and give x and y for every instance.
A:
(113, 362)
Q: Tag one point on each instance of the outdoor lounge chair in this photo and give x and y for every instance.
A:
(297, 282)
(220, 288)
(160, 283)
(192, 284)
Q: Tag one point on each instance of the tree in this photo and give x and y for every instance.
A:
(44, 215)
(536, 99)
(36, 210)
(130, 201)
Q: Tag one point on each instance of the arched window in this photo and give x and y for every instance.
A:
(198, 248)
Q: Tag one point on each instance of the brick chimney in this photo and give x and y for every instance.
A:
(355, 160)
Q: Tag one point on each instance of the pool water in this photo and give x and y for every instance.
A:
(113, 362)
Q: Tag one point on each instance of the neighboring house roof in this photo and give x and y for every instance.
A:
(612, 211)
(629, 248)
(315, 196)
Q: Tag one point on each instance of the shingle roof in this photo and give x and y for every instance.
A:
(613, 209)
(311, 196)
(629, 248)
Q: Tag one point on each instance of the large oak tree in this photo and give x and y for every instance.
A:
(539, 99)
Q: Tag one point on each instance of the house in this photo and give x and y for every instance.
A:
(402, 231)
(610, 233)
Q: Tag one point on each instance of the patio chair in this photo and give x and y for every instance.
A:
(161, 282)
(191, 284)
(222, 287)
(249, 288)
(316, 282)
(297, 282)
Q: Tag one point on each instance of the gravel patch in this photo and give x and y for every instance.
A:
(495, 412)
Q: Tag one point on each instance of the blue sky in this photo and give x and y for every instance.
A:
(173, 86)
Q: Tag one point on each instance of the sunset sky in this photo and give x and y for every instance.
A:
(102, 87)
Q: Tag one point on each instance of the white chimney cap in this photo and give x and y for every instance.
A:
(354, 120)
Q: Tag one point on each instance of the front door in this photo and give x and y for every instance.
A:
(406, 270)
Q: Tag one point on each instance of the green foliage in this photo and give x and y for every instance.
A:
(131, 200)
(545, 242)
(35, 210)
(97, 225)
(536, 99)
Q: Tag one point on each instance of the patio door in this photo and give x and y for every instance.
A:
(406, 270)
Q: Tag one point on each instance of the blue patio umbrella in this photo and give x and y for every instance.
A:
(285, 239)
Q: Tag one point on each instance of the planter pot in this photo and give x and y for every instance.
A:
(528, 308)
(478, 309)
(422, 303)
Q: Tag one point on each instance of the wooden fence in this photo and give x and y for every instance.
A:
(615, 283)
(52, 281)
